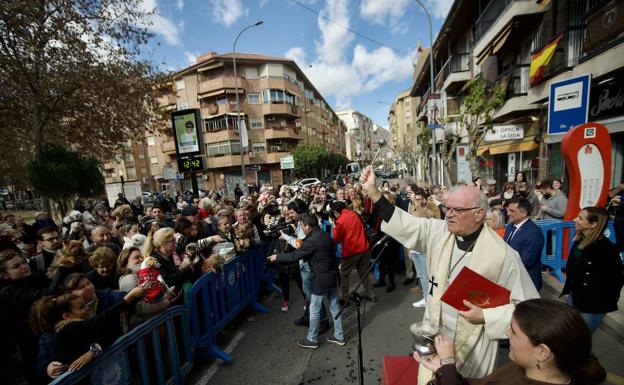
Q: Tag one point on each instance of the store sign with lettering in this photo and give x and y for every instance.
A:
(607, 99)
(504, 132)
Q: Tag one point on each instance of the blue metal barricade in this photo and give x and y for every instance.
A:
(216, 298)
(554, 230)
(159, 351)
(554, 258)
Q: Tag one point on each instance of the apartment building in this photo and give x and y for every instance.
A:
(281, 108)
(360, 145)
(495, 39)
(404, 127)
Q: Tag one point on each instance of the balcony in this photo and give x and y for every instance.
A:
(282, 132)
(279, 84)
(281, 109)
(459, 72)
(215, 86)
(168, 146)
(221, 135)
(219, 109)
(496, 16)
(517, 80)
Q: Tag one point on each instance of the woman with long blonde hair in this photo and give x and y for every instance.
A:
(594, 275)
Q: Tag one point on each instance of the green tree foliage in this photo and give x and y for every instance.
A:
(310, 159)
(59, 174)
(334, 162)
(482, 100)
(73, 73)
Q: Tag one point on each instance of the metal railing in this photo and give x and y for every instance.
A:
(460, 62)
(490, 14)
(519, 81)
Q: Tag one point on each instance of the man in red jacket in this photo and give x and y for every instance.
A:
(349, 230)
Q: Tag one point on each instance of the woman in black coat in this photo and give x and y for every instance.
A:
(594, 268)
(19, 289)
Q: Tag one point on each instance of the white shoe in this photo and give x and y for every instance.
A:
(421, 303)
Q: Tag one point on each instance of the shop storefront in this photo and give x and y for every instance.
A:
(510, 148)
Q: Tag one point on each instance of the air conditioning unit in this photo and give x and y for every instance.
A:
(251, 155)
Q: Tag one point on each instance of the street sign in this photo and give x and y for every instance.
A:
(504, 132)
(463, 166)
(169, 173)
(568, 104)
(253, 168)
(287, 162)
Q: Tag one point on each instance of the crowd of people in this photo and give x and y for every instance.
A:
(68, 290)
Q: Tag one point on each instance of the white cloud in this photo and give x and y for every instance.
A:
(263, 3)
(345, 72)
(161, 25)
(390, 12)
(179, 4)
(438, 8)
(227, 12)
(335, 37)
(384, 11)
(191, 57)
(380, 66)
(298, 55)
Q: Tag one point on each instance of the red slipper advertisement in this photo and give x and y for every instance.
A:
(587, 154)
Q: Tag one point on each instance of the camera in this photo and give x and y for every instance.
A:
(273, 230)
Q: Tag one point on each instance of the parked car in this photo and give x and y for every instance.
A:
(148, 197)
(305, 182)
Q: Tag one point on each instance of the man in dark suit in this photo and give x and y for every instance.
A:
(318, 250)
(525, 237)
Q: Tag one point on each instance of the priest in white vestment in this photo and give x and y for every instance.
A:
(460, 240)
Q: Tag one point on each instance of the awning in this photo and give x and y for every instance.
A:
(219, 92)
(527, 144)
(210, 66)
(502, 38)
(497, 43)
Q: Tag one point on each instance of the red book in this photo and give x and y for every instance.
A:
(474, 288)
(399, 370)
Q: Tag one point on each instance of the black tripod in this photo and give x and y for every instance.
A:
(356, 298)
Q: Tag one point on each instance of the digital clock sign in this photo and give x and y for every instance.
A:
(191, 164)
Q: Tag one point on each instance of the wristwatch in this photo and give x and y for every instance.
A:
(447, 360)
(96, 349)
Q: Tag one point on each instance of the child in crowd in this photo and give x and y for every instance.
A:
(104, 263)
(78, 338)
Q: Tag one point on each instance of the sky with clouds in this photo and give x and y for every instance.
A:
(357, 53)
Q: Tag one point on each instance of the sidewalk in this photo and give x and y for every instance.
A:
(612, 324)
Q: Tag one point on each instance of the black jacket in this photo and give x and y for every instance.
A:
(594, 277)
(74, 339)
(170, 272)
(319, 251)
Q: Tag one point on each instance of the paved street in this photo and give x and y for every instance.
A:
(265, 351)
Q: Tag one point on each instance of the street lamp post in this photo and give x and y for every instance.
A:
(433, 150)
(238, 123)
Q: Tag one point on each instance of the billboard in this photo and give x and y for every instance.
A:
(186, 132)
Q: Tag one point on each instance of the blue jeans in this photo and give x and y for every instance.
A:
(316, 304)
(306, 280)
(593, 320)
(420, 263)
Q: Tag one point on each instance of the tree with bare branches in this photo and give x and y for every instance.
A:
(72, 73)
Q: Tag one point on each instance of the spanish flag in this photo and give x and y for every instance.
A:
(540, 60)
